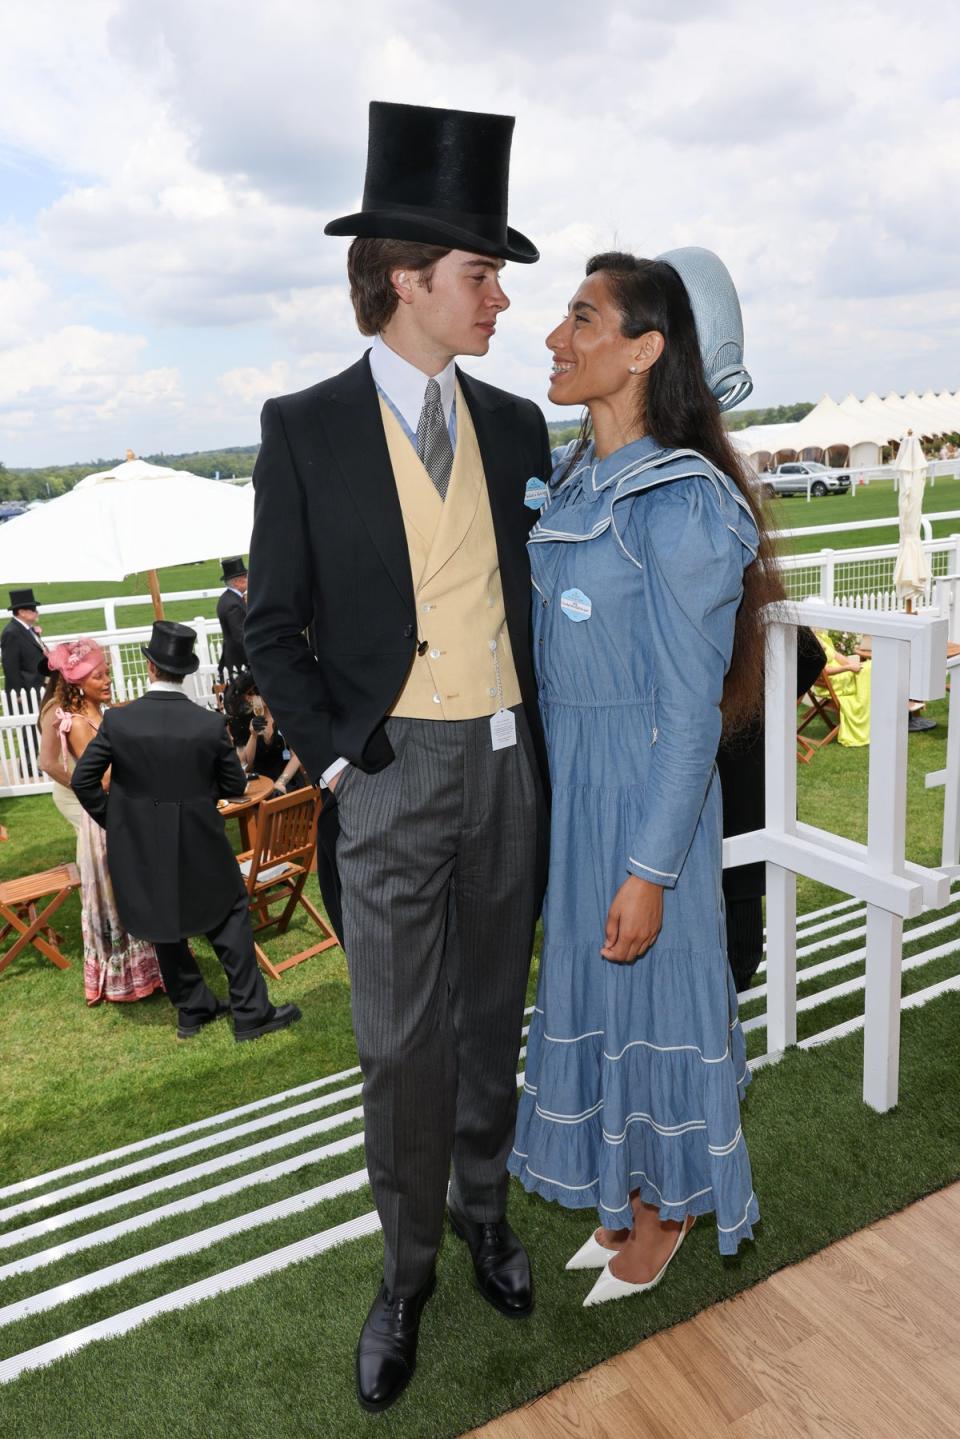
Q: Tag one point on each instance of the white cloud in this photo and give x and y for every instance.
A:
(201, 148)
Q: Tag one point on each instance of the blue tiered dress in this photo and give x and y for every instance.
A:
(635, 1071)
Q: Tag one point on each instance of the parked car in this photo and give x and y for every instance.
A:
(9, 509)
(792, 479)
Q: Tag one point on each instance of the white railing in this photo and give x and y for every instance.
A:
(863, 574)
(108, 606)
(909, 661)
(20, 772)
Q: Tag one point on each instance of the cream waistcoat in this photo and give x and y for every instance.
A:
(456, 581)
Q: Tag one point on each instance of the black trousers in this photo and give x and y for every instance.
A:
(232, 940)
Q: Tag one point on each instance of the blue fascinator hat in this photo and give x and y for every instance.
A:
(716, 311)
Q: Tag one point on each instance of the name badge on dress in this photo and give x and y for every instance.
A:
(576, 605)
(535, 495)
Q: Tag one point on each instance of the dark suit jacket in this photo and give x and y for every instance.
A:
(329, 552)
(173, 871)
(22, 653)
(232, 614)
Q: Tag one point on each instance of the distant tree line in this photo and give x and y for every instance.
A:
(47, 481)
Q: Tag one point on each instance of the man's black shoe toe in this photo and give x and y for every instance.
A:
(190, 1027)
(283, 1015)
(387, 1348)
(500, 1264)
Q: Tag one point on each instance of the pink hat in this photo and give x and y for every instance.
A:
(76, 659)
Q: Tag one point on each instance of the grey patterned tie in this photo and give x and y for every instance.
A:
(433, 440)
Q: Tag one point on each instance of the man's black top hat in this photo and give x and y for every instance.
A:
(439, 177)
(233, 569)
(171, 648)
(23, 600)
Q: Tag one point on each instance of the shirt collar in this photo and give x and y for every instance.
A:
(235, 591)
(166, 687)
(406, 386)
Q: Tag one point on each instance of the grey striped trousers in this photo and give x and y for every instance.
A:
(437, 860)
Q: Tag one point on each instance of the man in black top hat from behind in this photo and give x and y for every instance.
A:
(21, 648)
(389, 631)
(232, 613)
(173, 871)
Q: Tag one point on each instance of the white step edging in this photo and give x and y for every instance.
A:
(177, 1248)
(236, 1278)
(172, 1181)
(138, 1145)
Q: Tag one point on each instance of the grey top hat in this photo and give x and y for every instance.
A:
(716, 311)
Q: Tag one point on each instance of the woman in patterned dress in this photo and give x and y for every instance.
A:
(116, 966)
(650, 570)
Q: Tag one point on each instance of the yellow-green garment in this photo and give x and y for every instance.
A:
(852, 689)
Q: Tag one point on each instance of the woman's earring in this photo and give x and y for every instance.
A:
(632, 369)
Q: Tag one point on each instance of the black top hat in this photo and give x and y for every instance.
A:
(440, 177)
(23, 600)
(171, 648)
(233, 569)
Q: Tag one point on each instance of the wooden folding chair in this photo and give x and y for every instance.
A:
(275, 870)
(824, 706)
(18, 908)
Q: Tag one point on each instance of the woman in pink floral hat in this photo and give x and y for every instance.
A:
(115, 965)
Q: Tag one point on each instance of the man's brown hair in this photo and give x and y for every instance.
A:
(370, 264)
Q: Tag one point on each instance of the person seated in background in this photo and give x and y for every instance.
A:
(21, 647)
(260, 746)
(850, 677)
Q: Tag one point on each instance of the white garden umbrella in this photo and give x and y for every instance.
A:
(134, 518)
(912, 573)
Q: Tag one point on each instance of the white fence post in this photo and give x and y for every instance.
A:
(781, 818)
(828, 582)
(886, 839)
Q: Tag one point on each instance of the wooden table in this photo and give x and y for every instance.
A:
(244, 808)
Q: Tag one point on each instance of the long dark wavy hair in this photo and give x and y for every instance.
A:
(675, 407)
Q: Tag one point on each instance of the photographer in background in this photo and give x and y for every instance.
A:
(260, 746)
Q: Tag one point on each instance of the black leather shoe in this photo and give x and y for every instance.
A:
(190, 1027)
(387, 1348)
(283, 1015)
(500, 1263)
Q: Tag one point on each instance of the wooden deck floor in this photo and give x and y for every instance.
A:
(861, 1341)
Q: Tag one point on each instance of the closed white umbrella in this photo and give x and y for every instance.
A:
(134, 518)
(912, 572)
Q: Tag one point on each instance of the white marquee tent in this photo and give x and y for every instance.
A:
(859, 427)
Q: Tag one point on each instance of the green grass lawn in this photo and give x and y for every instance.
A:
(203, 576)
(875, 501)
(275, 1359)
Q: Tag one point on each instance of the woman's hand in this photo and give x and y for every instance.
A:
(633, 920)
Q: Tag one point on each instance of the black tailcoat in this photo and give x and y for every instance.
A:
(22, 654)
(329, 552)
(173, 870)
(232, 614)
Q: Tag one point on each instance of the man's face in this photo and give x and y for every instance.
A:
(29, 617)
(457, 315)
(240, 584)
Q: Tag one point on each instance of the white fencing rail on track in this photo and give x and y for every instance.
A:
(909, 661)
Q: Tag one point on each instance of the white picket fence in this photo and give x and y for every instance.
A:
(20, 772)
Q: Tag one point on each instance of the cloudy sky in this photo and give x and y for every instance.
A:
(167, 166)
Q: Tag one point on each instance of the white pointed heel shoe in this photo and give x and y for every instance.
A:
(592, 1255)
(608, 1286)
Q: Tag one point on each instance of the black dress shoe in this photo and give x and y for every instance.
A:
(917, 722)
(190, 1026)
(500, 1263)
(283, 1015)
(387, 1348)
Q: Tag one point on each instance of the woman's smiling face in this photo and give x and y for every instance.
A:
(591, 356)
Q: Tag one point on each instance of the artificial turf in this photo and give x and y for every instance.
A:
(275, 1358)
